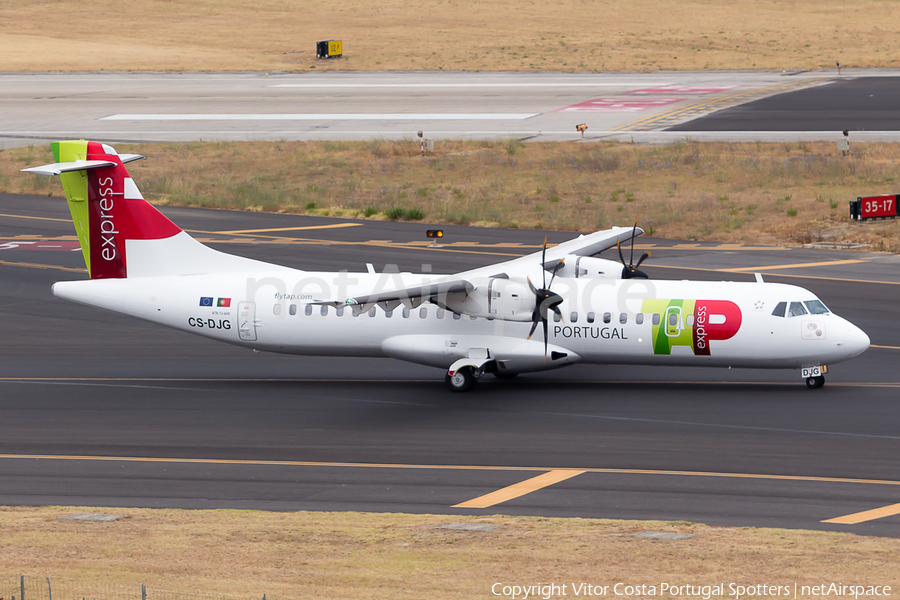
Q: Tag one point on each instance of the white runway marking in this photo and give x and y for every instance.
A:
(575, 83)
(322, 117)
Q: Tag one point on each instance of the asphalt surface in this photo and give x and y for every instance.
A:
(175, 107)
(103, 410)
(857, 105)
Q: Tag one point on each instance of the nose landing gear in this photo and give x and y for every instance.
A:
(814, 383)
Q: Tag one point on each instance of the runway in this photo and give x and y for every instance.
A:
(641, 107)
(103, 410)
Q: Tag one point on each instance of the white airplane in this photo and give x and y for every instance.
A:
(480, 321)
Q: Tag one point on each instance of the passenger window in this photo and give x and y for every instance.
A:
(590, 317)
(308, 309)
(573, 317)
(816, 307)
(796, 309)
(457, 316)
(556, 317)
(292, 309)
(639, 318)
(689, 321)
(472, 318)
(324, 310)
(277, 309)
(440, 313)
(779, 309)
(339, 312)
(388, 313)
(423, 312)
(655, 319)
(607, 317)
(372, 312)
(673, 319)
(623, 318)
(405, 313)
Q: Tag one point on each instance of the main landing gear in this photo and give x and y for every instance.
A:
(463, 379)
(815, 383)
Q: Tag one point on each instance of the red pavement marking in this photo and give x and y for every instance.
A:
(39, 246)
(618, 105)
(687, 90)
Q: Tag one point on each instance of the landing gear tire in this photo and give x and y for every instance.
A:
(462, 380)
(815, 383)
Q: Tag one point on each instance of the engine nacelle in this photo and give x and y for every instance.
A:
(588, 267)
(495, 298)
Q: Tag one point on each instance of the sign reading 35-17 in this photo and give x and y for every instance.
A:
(874, 207)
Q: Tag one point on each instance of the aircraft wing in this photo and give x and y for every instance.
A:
(583, 245)
(462, 284)
(411, 296)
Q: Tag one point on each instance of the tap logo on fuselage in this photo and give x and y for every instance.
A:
(692, 323)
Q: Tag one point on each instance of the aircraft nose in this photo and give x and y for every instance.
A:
(855, 339)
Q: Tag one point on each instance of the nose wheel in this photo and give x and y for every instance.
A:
(815, 383)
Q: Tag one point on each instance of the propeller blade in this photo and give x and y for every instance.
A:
(545, 340)
(555, 269)
(543, 260)
(533, 327)
(559, 314)
(619, 248)
(531, 285)
(643, 257)
(636, 274)
(633, 232)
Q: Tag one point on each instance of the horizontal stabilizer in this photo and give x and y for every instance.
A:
(69, 167)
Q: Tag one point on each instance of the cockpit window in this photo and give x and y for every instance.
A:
(779, 310)
(796, 309)
(816, 307)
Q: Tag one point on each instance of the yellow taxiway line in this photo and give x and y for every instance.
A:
(519, 489)
(37, 218)
(828, 263)
(500, 468)
(332, 226)
(867, 515)
(40, 266)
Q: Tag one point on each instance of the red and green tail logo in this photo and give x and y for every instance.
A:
(107, 209)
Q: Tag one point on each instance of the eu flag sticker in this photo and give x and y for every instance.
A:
(226, 302)
(204, 301)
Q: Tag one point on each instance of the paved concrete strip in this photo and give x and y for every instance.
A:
(867, 515)
(519, 489)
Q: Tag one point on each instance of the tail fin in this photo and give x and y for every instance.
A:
(106, 206)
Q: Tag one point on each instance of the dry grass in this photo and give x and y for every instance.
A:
(519, 35)
(774, 193)
(361, 555)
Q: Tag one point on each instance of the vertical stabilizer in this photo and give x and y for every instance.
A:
(106, 206)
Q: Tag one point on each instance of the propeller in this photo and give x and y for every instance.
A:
(630, 270)
(545, 300)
